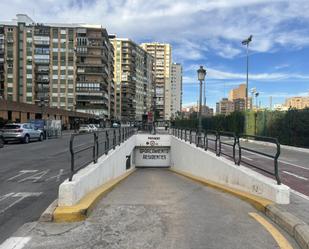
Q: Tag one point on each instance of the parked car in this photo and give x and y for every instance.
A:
(93, 127)
(24, 133)
(1, 140)
(84, 128)
(116, 125)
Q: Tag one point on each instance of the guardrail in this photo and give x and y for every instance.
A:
(275, 156)
(218, 140)
(234, 138)
(99, 143)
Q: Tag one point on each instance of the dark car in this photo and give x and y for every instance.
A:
(1, 140)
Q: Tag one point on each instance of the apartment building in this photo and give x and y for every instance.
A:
(225, 106)
(94, 63)
(176, 89)
(162, 67)
(297, 102)
(238, 96)
(134, 80)
(1, 62)
(42, 65)
(238, 93)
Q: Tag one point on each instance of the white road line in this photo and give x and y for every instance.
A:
(22, 172)
(6, 196)
(297, 176)
(292, 164)
(281, 161)
(36, 177)
(300, 194)
(15, 243)
(247, 158)
(61, 173)
(20, 196)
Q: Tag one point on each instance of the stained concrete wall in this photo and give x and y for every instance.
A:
(188, 158)
(107, 168)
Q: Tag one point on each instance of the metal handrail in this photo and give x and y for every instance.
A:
(74, 152)
(236, 138)
(275, 141)
(215, 133)
(112, 138)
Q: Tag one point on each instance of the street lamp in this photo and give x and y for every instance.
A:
(201, 73)
(256, 99)
(246, 42)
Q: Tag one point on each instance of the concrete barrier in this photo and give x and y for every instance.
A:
(188, 158)
(93, 176)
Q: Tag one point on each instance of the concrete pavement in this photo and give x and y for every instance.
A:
(155, 208)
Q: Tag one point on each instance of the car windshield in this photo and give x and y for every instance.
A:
(11, 127)
(84, 126)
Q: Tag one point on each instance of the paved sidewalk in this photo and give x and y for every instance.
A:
(299, 207)
(155, 208)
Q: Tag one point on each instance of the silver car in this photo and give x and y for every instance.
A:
(22, 132)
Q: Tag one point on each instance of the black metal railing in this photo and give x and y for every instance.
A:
(97, 144)
(230, 139)
(214, 139)
(231, 136)
(273, 156)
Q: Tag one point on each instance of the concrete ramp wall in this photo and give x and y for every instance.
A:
(188, 158)
(93, 176)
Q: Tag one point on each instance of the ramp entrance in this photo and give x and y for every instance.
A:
(152, 151)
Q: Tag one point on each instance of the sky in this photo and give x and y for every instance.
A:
(203, 32)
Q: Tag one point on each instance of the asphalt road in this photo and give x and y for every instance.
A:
(29, 178)
(293, 165)
(158, 209)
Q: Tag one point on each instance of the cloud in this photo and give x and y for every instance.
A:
(215, 74)
(193, 26)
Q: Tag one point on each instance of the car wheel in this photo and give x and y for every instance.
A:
(41, 137)
(26, 139)
(2, 142)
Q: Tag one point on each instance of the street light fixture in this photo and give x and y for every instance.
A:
(201, 73)
(246, 43)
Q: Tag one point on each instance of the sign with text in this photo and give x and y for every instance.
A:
(153, 140)
(152, 156)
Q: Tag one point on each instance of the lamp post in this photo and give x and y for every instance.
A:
(201, 73)
(256, 100)
(246, 42)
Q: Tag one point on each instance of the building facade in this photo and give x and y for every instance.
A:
(134, 80)
(238, 96)
(41, 64)
(225, 106)
(297, 102)
(238, 93)
(94, 63)
(162, 66)
(176, 89)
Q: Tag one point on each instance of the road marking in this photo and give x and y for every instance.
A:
(247, 158)
(58, 177)
(15, 243)
(281, 241)
(300, 194)
(281, 161)
(297, 176)
(21, 196)
(292, 164)
(6, 196)
(22, 172)
(36, 177)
